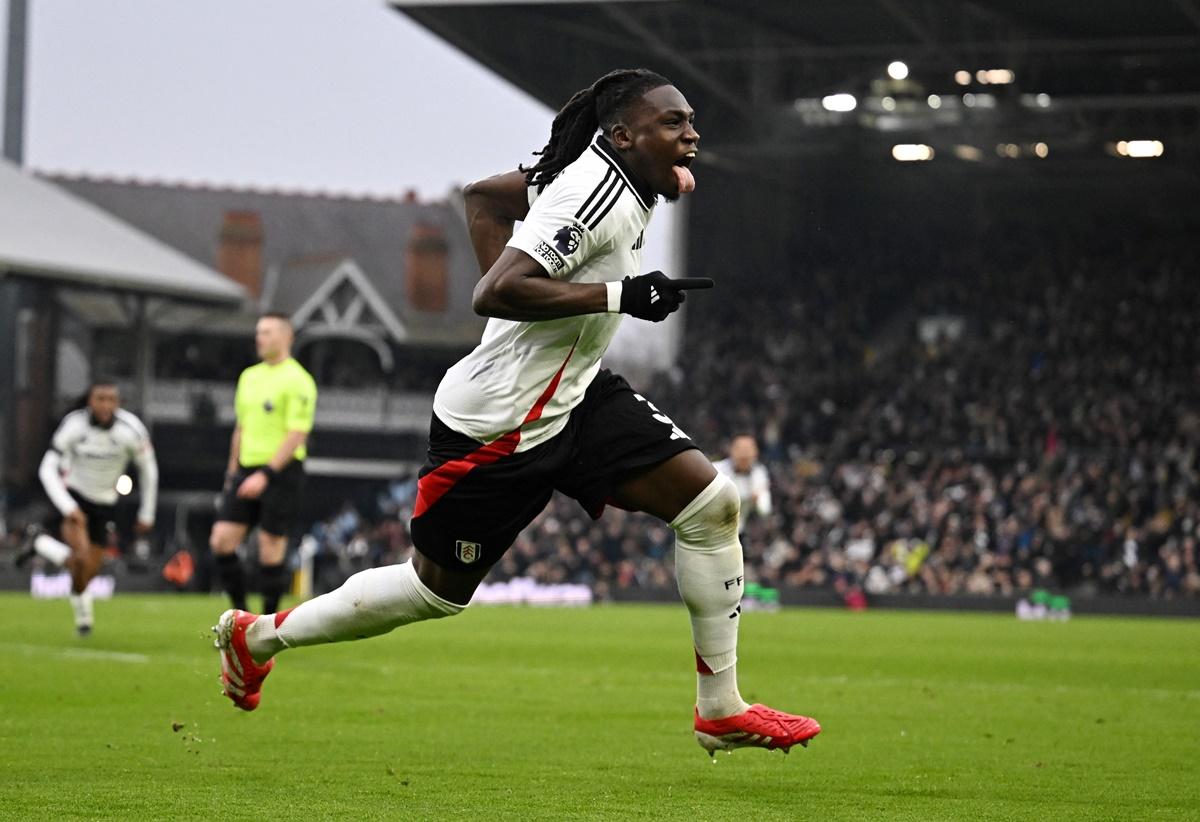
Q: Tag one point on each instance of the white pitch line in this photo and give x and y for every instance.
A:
(76, 653)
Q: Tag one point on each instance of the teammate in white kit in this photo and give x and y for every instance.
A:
(749, 476)
(88, 453)
(531, 411)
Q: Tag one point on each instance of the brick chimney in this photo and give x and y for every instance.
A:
(425, 268)
(239, 249)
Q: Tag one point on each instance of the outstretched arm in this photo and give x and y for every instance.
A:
(492, 206)
(514, 286)
(518, 288)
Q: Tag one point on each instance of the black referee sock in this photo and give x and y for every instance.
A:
(229, 569)
(273, 580)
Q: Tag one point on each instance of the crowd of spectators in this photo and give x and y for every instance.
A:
(990, 428)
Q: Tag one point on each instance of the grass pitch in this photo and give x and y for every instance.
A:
(507, 713)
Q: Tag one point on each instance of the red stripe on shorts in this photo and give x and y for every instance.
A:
(438, 482)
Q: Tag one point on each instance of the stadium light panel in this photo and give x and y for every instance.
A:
(1140, 148)
(1041, 150)
(839, 102)
(934, 101)
(995, 77)
(888, 103)
(912, 152)
(897, 70)
(962, 77)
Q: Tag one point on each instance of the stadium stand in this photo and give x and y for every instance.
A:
(1024, 426)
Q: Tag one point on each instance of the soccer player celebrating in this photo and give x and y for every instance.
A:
(275, 403)
(88, 454)
(530, 410)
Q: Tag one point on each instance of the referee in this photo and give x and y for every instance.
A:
(275, 404)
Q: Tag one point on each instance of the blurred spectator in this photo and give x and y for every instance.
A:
(1047, 437)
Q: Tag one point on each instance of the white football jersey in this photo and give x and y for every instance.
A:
(754, 487)
(586, 227)
(89, 458)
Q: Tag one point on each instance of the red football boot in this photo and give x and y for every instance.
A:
(241, 676)
(757, 727)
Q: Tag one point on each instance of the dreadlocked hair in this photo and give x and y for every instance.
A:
(599, 106)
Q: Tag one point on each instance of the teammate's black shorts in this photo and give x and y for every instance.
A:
(101, 519)
(465, 515)
(275, 511)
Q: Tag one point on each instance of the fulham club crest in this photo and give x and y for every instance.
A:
(467, 552)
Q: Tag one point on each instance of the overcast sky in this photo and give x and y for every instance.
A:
(332, 94)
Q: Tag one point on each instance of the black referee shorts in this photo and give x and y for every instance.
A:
(474, 499)
(275, 511)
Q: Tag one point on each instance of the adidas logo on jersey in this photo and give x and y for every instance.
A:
(653, 295)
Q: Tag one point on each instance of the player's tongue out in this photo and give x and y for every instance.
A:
(683, 176)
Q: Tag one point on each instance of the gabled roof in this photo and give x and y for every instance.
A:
(372, 231)
(48, 232)
(364, 308)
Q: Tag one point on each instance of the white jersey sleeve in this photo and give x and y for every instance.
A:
(141, 453)
(760, 486)
(572, 221)
(71, 431)
(50, 473)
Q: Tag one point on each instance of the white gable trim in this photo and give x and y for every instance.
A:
(349, 271)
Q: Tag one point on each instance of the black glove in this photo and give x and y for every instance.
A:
(655, 295)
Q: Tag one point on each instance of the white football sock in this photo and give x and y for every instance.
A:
(47, 547)
(370, 603)
(708, 569)
(81, 604)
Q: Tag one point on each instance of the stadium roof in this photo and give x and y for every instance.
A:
(1111, 69)
(48, 232)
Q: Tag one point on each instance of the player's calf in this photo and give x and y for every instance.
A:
(708, 568)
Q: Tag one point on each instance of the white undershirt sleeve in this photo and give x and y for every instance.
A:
(147, 482)
(51, 476)
(760, 482)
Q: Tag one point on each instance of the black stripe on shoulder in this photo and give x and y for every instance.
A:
(594, 223)
(610, 195)
(641, 200)
(595, 191)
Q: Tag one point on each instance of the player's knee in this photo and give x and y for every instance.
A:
(711, 519)
(221, 541)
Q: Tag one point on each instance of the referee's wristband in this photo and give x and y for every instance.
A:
(614, 296)
(269, 471)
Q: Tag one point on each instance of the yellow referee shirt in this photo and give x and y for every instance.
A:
(272, 400)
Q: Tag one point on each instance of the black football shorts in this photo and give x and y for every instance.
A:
(276, 510)
(474, 499)
(101, 519)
